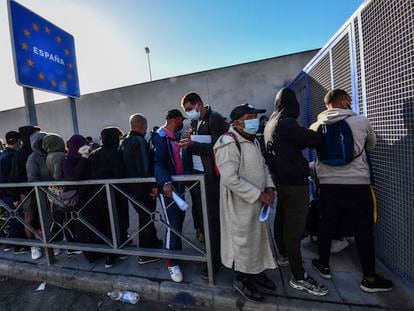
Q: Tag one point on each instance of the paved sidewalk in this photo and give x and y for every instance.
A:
(152, 281)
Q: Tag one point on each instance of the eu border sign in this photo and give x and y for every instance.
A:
(44, 54)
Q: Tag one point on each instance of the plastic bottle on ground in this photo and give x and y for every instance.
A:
(124, 296)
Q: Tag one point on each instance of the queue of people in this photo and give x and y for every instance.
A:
(248, 165)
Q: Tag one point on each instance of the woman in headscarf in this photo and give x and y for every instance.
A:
(285, 139)
(75, 168)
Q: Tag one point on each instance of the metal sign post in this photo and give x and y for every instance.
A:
(74, 115)
(29, 102)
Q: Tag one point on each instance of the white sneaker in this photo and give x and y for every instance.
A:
(36, 252)
(338, 245)
(175, 273)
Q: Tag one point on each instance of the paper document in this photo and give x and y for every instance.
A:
(180, 202)
(204, 139)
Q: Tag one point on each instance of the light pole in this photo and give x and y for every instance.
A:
(147, 50)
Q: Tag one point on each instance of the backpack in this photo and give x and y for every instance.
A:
(337, 148)
(237, 145)
(65, 201)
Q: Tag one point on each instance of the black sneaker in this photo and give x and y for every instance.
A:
(247, 289)
(8, 247)
(142, 260)
(378, 285)
(322, 269)
(21, 250)
(263, 281)
(71, 252)
(109, 262)
(204, 272)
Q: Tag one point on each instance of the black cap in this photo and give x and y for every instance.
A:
(174, 113)
(12, 137)
(240, 110)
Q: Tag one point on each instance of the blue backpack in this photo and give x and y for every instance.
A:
(338, 144)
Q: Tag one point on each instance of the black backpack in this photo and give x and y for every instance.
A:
(337, 148)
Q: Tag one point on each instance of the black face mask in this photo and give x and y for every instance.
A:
(180, 128)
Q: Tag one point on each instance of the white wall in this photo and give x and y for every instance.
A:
(223, 88)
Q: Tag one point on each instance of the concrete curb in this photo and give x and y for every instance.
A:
(216, 297)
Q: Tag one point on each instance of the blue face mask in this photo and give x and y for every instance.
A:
(251, 126)
(193, 114)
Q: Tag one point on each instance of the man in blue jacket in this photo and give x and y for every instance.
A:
(167, 162)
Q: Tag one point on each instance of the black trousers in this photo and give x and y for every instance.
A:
(289, 225)
(356, 202)
(147, 237)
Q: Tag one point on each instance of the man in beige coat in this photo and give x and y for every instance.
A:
(245, 186)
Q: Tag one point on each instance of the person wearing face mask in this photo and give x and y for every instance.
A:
(205, 121)
(245, 186)
(285, 139)
(346, 190)
(167, 162)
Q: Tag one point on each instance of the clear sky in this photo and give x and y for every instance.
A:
(184, 36)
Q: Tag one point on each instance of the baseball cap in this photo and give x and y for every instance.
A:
(240, 110)
(12, 137)
(174, 113)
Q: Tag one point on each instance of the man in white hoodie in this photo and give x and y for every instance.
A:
(346, 189)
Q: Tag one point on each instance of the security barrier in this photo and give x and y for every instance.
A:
(372, 57)
(111, 191)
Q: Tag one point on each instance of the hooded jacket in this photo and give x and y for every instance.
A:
(357, 171)
(285, 139)
(36, 162)
(106, 162)
(74, 166)
(54, 146)
(18, 171)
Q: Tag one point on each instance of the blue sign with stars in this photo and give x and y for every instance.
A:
(44, 54)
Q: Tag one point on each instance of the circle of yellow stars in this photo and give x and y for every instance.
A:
(31, 63)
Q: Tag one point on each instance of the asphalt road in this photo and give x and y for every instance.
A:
(22, 295)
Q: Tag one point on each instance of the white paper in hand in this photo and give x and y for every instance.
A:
(264, 213)
(180, 202)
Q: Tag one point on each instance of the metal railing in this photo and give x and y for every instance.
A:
(112, 245)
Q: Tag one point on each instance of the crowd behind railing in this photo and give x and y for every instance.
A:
(246, 163)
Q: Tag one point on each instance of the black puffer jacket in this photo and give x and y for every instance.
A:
(285, 139)
(106, 162)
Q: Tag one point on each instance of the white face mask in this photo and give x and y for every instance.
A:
(251, 126)
(193, 114)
